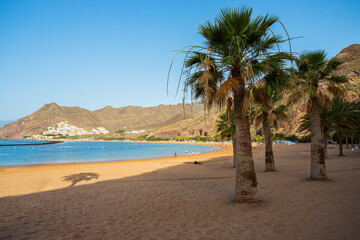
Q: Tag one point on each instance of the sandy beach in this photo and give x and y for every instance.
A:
(171, 198)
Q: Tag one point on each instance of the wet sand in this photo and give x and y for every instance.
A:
(171, 198)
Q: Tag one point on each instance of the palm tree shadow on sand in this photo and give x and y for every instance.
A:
(75, 178)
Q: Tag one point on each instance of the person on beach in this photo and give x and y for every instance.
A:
(175, 154)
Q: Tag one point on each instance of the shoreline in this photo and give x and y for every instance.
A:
(220, 146)
(132, 141)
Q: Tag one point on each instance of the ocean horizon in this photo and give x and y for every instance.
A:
(86, 152)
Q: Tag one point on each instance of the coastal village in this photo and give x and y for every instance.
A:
(65, 129)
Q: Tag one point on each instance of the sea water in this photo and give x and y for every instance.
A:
(80, 152)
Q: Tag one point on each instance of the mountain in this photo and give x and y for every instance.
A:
(350, 56)
(130, 117)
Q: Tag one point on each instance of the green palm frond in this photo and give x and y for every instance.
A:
(314, 78)
(331, 66)
(338, 79)
(339, 116)
(311, 61)
(225, 128)
(305, 124)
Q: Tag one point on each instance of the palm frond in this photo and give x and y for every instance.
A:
(336, 90)
(227, 86)
(305, 124)
(338, 79)
(330, 67)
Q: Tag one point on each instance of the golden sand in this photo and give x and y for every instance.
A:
(171, 198)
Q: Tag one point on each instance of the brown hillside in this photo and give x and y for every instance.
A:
(203, 125)
(46, 116)
(131, 118)
(350, 56)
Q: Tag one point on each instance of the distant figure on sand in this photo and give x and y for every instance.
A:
(197, 163)
(186, 152)
(175, 154)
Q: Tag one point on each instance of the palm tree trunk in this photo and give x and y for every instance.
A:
(347, 141)
(341, 153)
(234, 150)
(318, 168)
(245, 179)
(325, 139)
(269, 155)
(352, 141)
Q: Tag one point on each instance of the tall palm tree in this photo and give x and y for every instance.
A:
(315, 80)
(268, 110)
(226, 129)
(345, 117)
(267, 105)
(239, 43)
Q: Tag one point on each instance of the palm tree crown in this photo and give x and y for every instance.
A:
(315, 77)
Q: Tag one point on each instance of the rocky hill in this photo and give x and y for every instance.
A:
(203, 125)
(350, 57)
(113, 119)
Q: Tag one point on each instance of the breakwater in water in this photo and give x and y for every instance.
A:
(29, 143)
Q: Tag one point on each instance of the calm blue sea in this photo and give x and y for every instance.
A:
(76, 152)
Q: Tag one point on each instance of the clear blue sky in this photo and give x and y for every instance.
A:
(96, 53)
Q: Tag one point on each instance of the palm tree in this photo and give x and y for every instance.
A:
(267, 107)
(268, 110)
(326, 127)
(315, 80)
(239, 44)
(226, 129)
(341, 116)
(345, 117)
